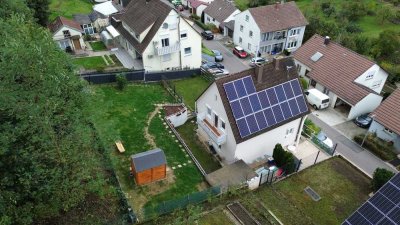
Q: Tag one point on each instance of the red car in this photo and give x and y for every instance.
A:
(240, 52)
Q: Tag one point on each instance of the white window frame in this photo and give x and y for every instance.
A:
(376, 84)
(251, 34)
(184, 33)
(240, 40)
(209, 111)
(370, 76)
(241, 28)
(387, 130)
(222, 122)
(190, 51)
(247, 18)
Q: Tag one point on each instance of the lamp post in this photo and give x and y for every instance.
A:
(366, 133)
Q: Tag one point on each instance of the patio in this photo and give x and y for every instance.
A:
(307, 152)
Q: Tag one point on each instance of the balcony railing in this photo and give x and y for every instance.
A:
(215, 134)
(167, 50)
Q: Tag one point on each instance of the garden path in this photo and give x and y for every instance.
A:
(147, 135)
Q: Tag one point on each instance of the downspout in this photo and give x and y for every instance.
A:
(179, 40)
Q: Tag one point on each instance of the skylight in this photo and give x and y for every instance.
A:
(316, 56)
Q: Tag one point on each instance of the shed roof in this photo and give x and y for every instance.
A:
(62, 21)
(336, 69)
(105, 8)
(149, 159)
(220, 10)
(388, 113)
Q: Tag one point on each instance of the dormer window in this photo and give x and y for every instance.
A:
(66, 33)
(165, 25)
(247, 18)
(369, 76)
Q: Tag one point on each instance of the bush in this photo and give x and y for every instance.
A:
(284, 159)
(310, 128)
(381, 176)
(200, 24)
(373, 144)
(121, 81)
(304, 83)
(195, 17)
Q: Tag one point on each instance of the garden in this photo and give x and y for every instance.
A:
(98, 63)
(67, 8)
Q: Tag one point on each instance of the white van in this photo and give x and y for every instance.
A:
(317, 99)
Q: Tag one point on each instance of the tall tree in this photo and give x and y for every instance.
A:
(8, 7)
(41, 10)
(47, 164)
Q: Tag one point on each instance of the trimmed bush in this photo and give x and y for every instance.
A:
(373, 144)
(304, 83)
(121, 81)
(284, 159)
(381, 176)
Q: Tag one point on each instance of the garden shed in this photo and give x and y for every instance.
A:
(149, 166)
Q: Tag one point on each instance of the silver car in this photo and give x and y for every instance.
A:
(218, 56)
(257, 61)
(218, 72)
(321, 136)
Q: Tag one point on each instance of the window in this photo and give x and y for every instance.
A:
(88, 29)
(289, 131)
(223, 124)
(294, 32)
(184, 35)
(165, 25)
(251, 34)
(208, 111)
(298, 68)
(66, 33)
(370, 76)
(376, 84)
(240, 40)
(213, 19)
(188, 51)
(164, 42)
(241, 28)
(247, 18)
(166, 57)
(249, 46)
(388, 130)
(208, 19)
(292, 44)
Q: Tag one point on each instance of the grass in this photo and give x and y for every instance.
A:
(188, 133)
(342, 189)
(214, 217)
(207, 51)
(190, 89)
(98, 46)
(90, 63)
(123, 115)
(116, 60)
(67, 8)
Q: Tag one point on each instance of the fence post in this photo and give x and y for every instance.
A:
(316, 158)
(298, 165)
(334, 148)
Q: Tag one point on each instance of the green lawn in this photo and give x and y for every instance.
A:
(207, 51)
(98, 46)
(188, 133)
(190, 89)
(342, 189)
(90, 63)
(116, 60)
(217, 217)
(67, 8)
(123, 115)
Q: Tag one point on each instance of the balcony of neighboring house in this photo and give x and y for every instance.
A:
(165, 49)
(273, 37)
(215, 134)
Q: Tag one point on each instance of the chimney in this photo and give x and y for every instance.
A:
(276, 5)
(326, 40)
(276, 63)
(259, 73)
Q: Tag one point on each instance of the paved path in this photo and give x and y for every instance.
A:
(231, 62)
(363, 159)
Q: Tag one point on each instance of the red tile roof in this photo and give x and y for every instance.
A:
(277, 17)
(336, 69)
(62, 21)
(388, 113)
(197, 3)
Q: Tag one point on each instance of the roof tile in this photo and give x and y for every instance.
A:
(388, 113)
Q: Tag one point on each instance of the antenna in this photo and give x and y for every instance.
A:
(287, 71)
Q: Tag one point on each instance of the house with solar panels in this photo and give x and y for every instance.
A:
(243, 116)
(352, 81)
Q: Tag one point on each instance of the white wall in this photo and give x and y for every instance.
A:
(152, 61)
(384, 135)
(264, 144)
(232, 16)
(59, 35)
(212, 98)
(240, 19)
(297, 37)
(379, 76)
(178, 120)
(303, 68)
(366, 105)
(200, 10)
(209, 19)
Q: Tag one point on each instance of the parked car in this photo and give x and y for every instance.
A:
(210, 65)
(317, 99)
(257, 61)
(321, 136)
(240, 52)
(208, 35)
(363, 121)
(218, 56)
(218, 71)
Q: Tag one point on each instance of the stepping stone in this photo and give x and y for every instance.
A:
(173, 167)
(159, 112)
(172, 135)
(166, 127)
(169, 131)
(176, 140)
(189, 161)
(164, 123)
(179, 165)
(184, 164)
(187, 155)
(183, 150)
(180, 146)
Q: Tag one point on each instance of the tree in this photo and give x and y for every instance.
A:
(387, 46)
(40, 10)
(121, 81)
(381, 176)
(284, 159)
(385, 13)
(9, 7)
(47, 161)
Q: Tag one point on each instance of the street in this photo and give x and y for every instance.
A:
(364, 160)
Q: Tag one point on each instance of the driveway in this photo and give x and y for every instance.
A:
(363, 159)
(231, 62)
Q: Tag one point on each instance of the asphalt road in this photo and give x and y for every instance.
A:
(231, 62)
(363, 159)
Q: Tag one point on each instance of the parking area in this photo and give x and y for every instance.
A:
(330, 116)
(350, 129)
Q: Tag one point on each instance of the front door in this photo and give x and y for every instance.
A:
(215, 120)
(77, 44)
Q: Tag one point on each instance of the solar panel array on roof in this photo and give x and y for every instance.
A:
(254, 111)
(383, 208)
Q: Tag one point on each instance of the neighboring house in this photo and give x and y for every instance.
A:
(243, 116)
(106, 8)
(270, 29)
(155, 33)
(85, 22)
(99, 20)
(197, 7)
(67, 34)
(351, 80)
(220, 12)
(386, 123)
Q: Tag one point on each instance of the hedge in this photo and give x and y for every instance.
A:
(375, 146)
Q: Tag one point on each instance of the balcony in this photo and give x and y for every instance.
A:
(166, 50)
(215, 134)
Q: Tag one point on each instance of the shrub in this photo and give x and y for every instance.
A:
(381, 176)
(310, 128)
(121, 81)
(195, 17)
(304, 83)
(376, 146)
(284, 159)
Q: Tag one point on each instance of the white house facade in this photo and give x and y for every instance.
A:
(349, 79)
(166, 41)
(218, 127)
(268, 30)
(220, 12)
(67, 34)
